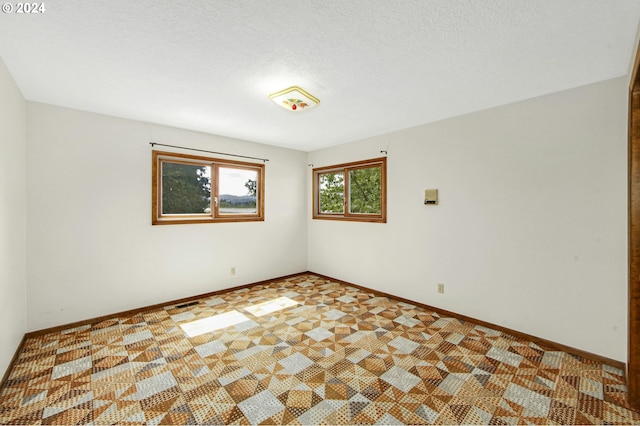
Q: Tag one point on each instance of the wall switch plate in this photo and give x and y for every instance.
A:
(440, 288)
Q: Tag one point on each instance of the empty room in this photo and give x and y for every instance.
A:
(297, 212)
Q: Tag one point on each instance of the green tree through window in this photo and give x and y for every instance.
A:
(361, 184)
(186, 188)
(365, 190)
(332, 193)
(251, 186)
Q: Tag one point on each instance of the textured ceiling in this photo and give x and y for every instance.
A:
(375, 66)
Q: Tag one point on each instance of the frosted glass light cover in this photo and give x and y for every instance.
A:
(294, 99)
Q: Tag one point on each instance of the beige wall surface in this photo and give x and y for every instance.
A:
(13, 231)
(91, 247)
(530, 230)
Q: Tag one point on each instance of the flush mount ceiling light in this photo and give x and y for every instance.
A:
(294, 99)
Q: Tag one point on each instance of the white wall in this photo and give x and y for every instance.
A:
(91, 247)
(531, 228)
(632, 54)
(13, 232)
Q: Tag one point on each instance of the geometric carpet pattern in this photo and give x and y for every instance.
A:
(303, 350)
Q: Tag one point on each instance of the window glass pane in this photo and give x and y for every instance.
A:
(364, 190)
(186, 188)
(238, 190)
(331, 188)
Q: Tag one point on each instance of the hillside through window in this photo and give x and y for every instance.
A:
(194, 189)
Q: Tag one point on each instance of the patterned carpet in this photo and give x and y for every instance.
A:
(303, 351)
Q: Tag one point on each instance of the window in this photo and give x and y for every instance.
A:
(354, 191)
(192, 189)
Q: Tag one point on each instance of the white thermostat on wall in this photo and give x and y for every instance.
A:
(431, 197)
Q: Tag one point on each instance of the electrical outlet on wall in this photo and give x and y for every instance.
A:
(232, 271)
(441, 288)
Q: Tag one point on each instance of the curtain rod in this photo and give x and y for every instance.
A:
(210, 152)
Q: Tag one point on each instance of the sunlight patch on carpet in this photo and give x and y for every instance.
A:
(216, 322)
(270, 306)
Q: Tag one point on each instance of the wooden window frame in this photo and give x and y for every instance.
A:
(157, 218)
(633, 218)
(346, 168)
